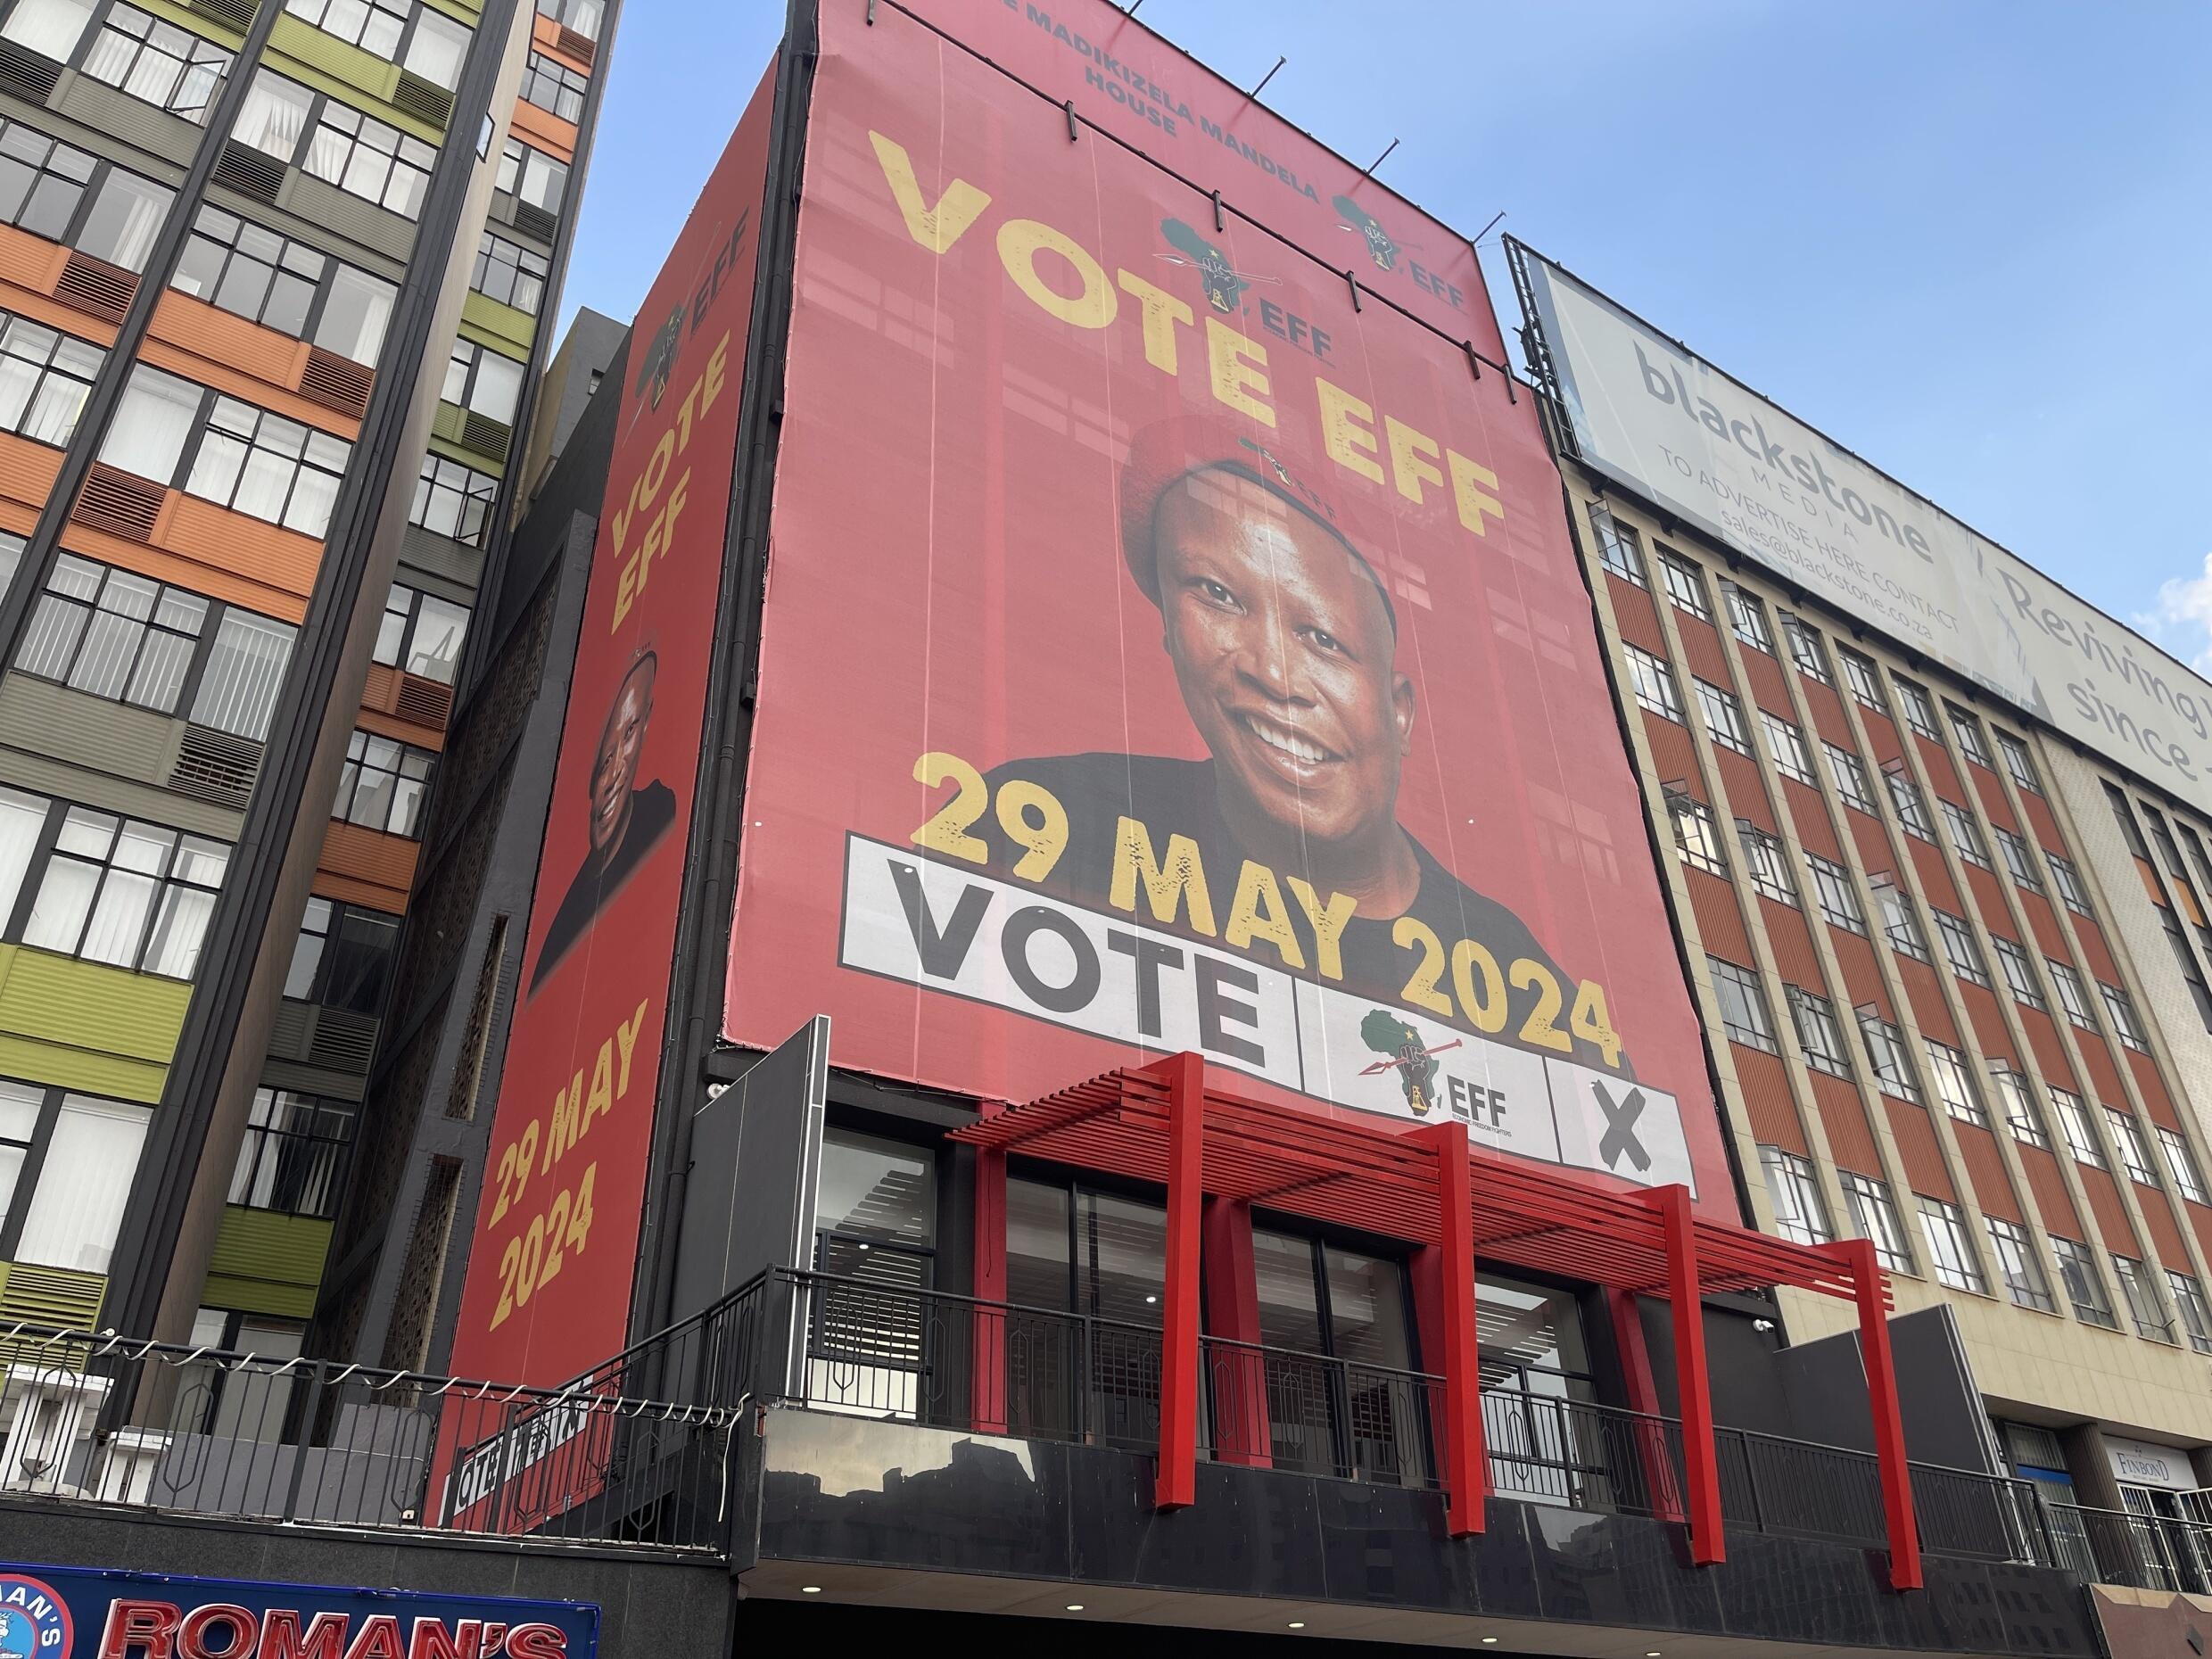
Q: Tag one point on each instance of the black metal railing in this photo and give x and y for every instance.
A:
(1318, 1415)
(2149, 1552)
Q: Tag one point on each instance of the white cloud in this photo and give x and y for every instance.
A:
(2182, 621)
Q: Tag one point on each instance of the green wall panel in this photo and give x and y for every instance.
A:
(267, 1263)
(328, 64)
(500, 328)
(31, 1294)
(186, 18)
(87, 1026)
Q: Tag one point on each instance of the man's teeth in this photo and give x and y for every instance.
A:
(1283, 738)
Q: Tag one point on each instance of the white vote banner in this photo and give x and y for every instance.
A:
(1706, 448)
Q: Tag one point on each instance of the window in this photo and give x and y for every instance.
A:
(1900, 925)
(1697, 835)
(439, 49)
(553, 87)
(2019, 762)
(1964, 955)
(1743, 1004)
(2019, 859)
(1946, 1068)
(126, 213)
(1839, 903)
(1724, 717)
(2128, 1135)
(1874, 1217)
(1885, 1051)
(1804, 650)
(1863, 678)
(1618, 548)
(342, 957)
(22, 822)
(20, 1106)
(128, 894)
(1852, 781)
(2077, 1270)
(1653, 682)
(295, 1149)
(1948, 1253)
(1747, 618)
(1818, 1034)
(84, 1182)
(2080, 1132)
(1786, 745)
(168, 66)
(2190, 1303)
(1763, 861)
(1904, 795)
(2121, 1007)
(421, 634)
(50, 28)
(1798, 1213)
(266, 279)
(480, 379)
(242, 673)
(2016, 1264)
(45, 378)
(274, 117)
(375, 25)
(152, 424)
(2182, 1164)
(580, 15)
(2070, 888)
(452, 501)
(534, 176)
(1920, 713)
(1965, 836)
(2018, 1098)
(509, 273)
(267, 467)
(2019, 973)
(1969, 733)
(382, 784)
(1686, 586)
(113, 634)
(366, 158)
(2073, 998)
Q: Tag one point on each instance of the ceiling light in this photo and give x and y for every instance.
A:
(810, 1589)
(1297, 1624)
(1075, 1606)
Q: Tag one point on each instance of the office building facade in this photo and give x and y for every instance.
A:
(277, 279)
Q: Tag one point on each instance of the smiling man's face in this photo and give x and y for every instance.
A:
(614, 768)
(1285, 657)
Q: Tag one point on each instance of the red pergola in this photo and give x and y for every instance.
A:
(1171, 1124)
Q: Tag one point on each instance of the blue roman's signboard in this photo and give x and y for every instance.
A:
(94, 1613)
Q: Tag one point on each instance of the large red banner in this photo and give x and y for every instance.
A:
(1166, 648)
(554, 1252)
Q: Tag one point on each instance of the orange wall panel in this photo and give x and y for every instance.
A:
(2104, 1203)
(1809, 818)
(1993, 798)
(1767, 1105)
(545, 36)
(1794, 955)
(2166, 1233)
(373, 719)
(27, 471)
(544, 130)
(1849, 1138)
(1862, 976)
(2047, 1187)
(370, 860)
(217, 539)
(1917, 1149)
(1720, 924)
(1636, 616)
(251, 376)
(1985, 1170)
(1929, 1006)
(1701, 649)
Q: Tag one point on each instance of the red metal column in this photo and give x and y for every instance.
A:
(1466, 1465)
(1889, 1423)
(1177, 1483)
(1643, 1395)
(1242, 1433)
(988, 1396)
(1701, 1465)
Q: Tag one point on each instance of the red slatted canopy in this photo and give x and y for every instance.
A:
(1383, 1179)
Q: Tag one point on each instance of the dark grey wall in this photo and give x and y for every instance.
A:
(649, 1608)
(1945, 1422)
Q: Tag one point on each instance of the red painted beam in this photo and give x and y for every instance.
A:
(1243, 1430)
(1177, 1484)
(1466, 1464)
(988, 1394)
(1701, 1465)
(1889, 1425)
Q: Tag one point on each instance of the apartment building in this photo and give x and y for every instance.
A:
(1941, 1011)
(276, 278)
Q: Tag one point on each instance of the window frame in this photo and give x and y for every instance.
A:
(1806, 649)
(1724, 713)
(1964, 834)
(311, 154)
(489, 259)
(95, 31)
(2078, 1129)
(1785, 748)
(1966, 732)
(320, 290)
(2019, 858)
(166, 885)
(17, 328)
(1952, 1257)
(1746, 991)
(1854, 784)
(358, 765)
(1747, 618)
(1888, 1058)
(1707, 852)
(270, 1156)
(537, 67)
(2019, 761)
(1874, 1214)
(2194, 1310)
(1919, 708)
(1820, 1039)
(89, 188)
(2085, 1286)
(1837, 898)
(1946, 1066)
(2120, 1008)
(1685, 585)
(469, 357)
(194, 446)
(2128, 1140)
(1894, 904)
(1909, 805)
(2019, 968)
(47, 1102)
(2073, 892)
(2026, 1284)
(1619, 550)
(522, 157)
(1957, 937)
(1651, 681)
(2188, 1178)
(1863, 677)
(1766, 863)
(1803, 1218)
(2023, 1113)
(411, 612)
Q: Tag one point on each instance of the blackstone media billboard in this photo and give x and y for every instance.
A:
(1166, 648)
(554, 1251)
(1643, 410)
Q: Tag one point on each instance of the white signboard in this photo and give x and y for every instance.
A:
(1714, 454)
(2138, 1462)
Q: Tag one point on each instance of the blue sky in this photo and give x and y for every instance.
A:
(1971, 241)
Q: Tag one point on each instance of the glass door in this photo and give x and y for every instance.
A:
(870, 1346)
(1335, 1365)
(1083, 1275)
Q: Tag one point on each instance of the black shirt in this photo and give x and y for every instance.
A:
(1179, 797)
(652, 810)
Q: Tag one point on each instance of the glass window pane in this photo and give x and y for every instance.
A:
(84, 1185)
(1037, 1273)
(355, 316)
(1290, 1301)
(50, 28)
(156, 415)
(875, 1187)
(1121, 1252)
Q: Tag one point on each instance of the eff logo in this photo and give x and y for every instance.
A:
(34, 1623)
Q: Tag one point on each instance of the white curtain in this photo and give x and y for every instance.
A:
(21, 817)
(273, 117)
(245, 665)
(150, 424)
(84, 1185)
(50, 28)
